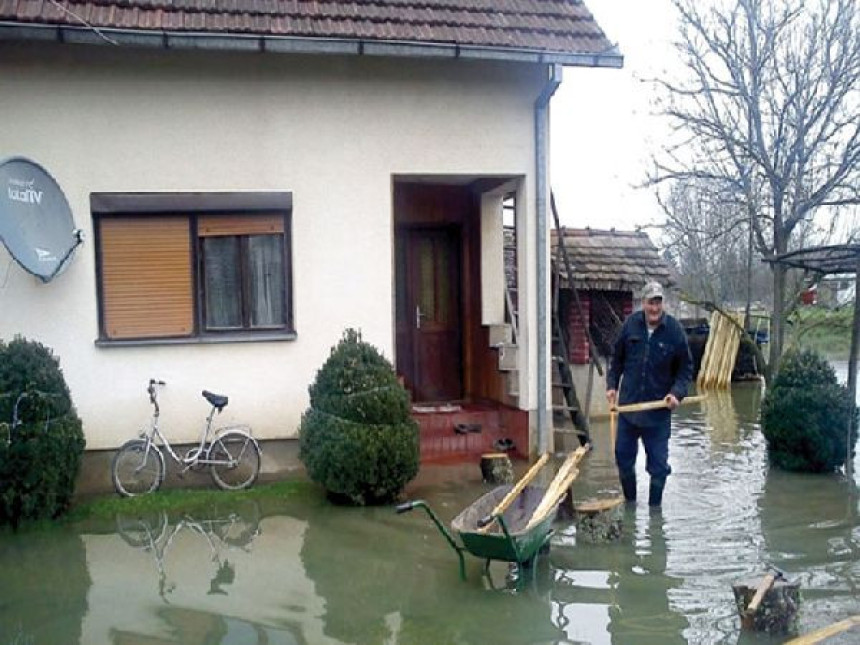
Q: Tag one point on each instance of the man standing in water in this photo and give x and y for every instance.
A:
(652, 361)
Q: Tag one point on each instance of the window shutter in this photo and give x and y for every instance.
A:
(146, 276)
(212, 225)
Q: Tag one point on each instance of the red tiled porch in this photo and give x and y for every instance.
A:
(480, 424)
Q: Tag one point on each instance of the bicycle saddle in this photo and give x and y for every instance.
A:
(216, 400)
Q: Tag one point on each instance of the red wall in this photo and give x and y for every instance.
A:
(578, 343)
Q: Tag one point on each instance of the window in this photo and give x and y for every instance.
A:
(193, 266)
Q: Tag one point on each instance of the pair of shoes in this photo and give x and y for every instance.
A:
(503, 445)
(463, 428)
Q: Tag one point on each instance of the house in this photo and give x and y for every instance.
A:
(608, 270)
(835, 290)
(251, 178)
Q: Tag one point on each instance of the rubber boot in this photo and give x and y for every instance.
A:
(628, 486)
(655, 491)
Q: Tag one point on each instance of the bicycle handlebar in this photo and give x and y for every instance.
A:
(151, 390)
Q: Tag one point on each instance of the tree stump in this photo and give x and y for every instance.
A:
(777, 611)
(598, 520)
(496, 468)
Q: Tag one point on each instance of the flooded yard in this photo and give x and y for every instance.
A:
(301, 571)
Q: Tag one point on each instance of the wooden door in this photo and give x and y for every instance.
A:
(429, 353)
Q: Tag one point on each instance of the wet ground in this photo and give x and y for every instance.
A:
(306, 572)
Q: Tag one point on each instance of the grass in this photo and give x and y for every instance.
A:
(184, 500)
(828, 332)
(99, 513)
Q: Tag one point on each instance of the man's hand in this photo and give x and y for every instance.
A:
(611, 396)
(671, 401)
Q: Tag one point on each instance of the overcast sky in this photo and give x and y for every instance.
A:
(603, 130)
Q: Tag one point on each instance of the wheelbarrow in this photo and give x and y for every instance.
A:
(510, 523)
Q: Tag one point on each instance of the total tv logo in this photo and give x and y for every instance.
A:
(20, 190)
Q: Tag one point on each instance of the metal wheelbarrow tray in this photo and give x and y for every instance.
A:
(510, 523)
(507, 540)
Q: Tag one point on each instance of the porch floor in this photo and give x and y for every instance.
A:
(462, 430)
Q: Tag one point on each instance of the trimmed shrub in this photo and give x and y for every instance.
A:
(358, 439)
(41, 456)
(805, 416)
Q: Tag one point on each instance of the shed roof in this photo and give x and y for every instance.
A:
(611, 260)
(547, 31)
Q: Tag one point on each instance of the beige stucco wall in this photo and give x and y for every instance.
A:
(332, 130)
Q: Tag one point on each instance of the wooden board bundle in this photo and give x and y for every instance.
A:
(721, 351)
(559, 486)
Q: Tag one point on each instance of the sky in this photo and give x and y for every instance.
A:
(603, 128)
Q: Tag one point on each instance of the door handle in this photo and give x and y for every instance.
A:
(418, 317)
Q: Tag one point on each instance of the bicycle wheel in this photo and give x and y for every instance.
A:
(144, 530)
(241, 526)
(239, 457)
(136, 471)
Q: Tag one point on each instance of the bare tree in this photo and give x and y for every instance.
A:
(706, 236)
(768, 110)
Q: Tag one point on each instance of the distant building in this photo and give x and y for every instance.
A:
(609, 268)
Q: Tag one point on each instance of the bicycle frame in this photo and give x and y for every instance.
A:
(154, 433)
(198, 456)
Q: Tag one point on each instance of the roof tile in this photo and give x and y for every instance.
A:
(558, 26)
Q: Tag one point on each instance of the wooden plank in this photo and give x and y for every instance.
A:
(655, 405)
(508, 499)
(599, 505)
(826, 632)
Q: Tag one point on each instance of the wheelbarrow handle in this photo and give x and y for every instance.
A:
(405, 507)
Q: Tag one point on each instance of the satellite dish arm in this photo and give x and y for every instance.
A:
(78, 235)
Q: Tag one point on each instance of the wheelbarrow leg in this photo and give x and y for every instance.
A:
(419, 503)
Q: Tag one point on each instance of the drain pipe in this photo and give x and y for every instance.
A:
(542, 190)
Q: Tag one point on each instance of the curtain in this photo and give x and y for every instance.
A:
(266, 280)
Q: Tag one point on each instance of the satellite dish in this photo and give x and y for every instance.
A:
(36, 223)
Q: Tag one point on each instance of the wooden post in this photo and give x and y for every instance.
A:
(599, 521)
(496, 468)
(767, 604)
(853, 353)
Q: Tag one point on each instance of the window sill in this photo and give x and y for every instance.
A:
(209, 339)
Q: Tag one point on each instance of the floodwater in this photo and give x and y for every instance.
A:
(305, 572)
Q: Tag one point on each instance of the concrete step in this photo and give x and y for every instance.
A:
(501, 334)
(508, 357)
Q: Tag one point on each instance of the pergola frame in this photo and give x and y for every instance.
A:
(829, 260)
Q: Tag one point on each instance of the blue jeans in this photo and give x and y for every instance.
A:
(656, 442)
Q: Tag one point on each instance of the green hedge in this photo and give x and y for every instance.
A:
(805, 416)
(40, 458)
(358, 439)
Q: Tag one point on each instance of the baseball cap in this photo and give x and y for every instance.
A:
(652, 290)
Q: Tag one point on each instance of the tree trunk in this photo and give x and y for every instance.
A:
(777, 326)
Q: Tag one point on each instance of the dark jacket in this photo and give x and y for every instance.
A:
(651, 368)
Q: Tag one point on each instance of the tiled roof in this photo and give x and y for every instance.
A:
(551, 26)
(612, 260)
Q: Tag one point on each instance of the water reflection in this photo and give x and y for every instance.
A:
(155, 533)
(299, 570)
(43, 587)
(193, 627)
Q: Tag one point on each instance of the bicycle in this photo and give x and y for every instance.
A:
(232, 454)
